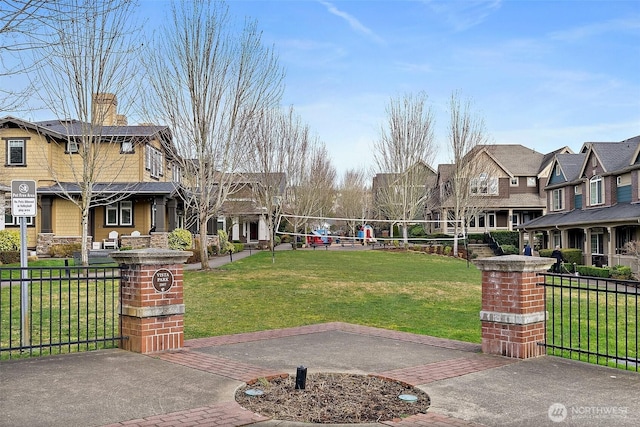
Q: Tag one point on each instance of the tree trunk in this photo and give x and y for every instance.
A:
(84, 251)
(204, 254)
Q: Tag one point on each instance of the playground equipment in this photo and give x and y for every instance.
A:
(365, 234)
(319, 237)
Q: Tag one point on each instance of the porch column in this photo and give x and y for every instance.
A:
(611, 246)
(152, 305)
(161, 213)
(173, 214)
(564, 238)
(513, 305)
(45, 215)
(510, 220)
(588, 260)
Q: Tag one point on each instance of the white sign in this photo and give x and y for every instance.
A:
(23, 198)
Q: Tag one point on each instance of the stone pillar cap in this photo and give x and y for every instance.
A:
(514, 263)
(150, 256)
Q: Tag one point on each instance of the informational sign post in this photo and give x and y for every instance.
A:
(23, 205)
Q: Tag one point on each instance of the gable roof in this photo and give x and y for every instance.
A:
(570, 165)
(514, 159)
(612, 156)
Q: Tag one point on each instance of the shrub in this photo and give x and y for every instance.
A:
(506, 238)
(285, 238)
(65, 250)
(509, 250)
(225, 245)
(277, 240)
(621, 272)
(572, 256)
(9, 240)
(592, 271)
(9, 257)
(478, 237)
(417, 231)
(238, 247)
(447, 250)
(180, 239)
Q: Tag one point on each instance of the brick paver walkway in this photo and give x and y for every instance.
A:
(231, 414)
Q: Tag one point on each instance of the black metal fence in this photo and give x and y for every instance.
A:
(592, 319)
(51, 310)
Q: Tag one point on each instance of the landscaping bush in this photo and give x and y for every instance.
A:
(285, 238)
(64, 250)
(225, 245)
(417, 231)
(9, 257)
(9, 240)
(180, 239)
(238, 247)
(506, 238)
(572, 256)
(478, 237)
(447, 250)
(621, 272)
(510, 250)
(583, 270)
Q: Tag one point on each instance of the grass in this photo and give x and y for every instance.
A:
(403, 291)
(604, 324)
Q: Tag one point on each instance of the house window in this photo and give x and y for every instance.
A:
(531, 181)
(481, 221)
(126, 147)
(484, 185)
(472, 222)
(514, 219)
(557, 202)
(111, 214)
(577, 189)
(176, 173)
(14, 220)
(492, 219)
(154, 162)
(126, 213)
(514, 181)
(16, 152)
(596, 190)
(557, 170)
(72, 147)
(597, 240)
(119, 214)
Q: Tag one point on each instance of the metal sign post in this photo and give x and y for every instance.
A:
(23, 205)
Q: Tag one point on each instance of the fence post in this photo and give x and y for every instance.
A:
(513, 306)
(151, 299)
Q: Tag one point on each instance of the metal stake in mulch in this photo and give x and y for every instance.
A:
(301, 378)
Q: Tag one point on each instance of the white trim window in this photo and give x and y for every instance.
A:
(126, 147)
(514, 182)
(15, 220)
(16, 152)
(596, 191)
(72, 147)
(484, 185)
(154, 161)
(119, 214)
(531, 181)
(557, 199)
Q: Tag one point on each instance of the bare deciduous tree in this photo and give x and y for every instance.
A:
(464, 193)
(89, 52)
(354, 199)
(402, 156)
(208, 82)
(22, 26)
(311, 189)
(279, 141)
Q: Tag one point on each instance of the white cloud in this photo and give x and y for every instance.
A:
(353, 22)
(462, 15)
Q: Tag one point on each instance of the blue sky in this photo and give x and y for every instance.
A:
(543, 74)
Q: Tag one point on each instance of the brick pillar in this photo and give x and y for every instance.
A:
(513, 306)
(151, 303)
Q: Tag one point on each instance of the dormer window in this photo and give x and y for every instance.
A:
(126, 147)
(596, 195)
(514, 181)
(556, 170)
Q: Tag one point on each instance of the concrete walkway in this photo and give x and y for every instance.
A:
(196, 386)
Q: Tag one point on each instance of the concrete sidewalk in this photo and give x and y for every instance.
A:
(196, 386)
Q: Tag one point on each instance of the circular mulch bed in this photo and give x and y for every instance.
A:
(333, 398)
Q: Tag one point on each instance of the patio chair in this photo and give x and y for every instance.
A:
(111, 242)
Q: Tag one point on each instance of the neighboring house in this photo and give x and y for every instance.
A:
(394, 193)
(244, 215)
(593, 202)
(505, 189)
(137, 180)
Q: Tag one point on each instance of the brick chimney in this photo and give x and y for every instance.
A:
(104, 109)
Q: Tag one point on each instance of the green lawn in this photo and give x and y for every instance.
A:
(405, 291)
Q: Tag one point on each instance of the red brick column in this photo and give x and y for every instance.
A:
(513, 305)
(151, 303)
